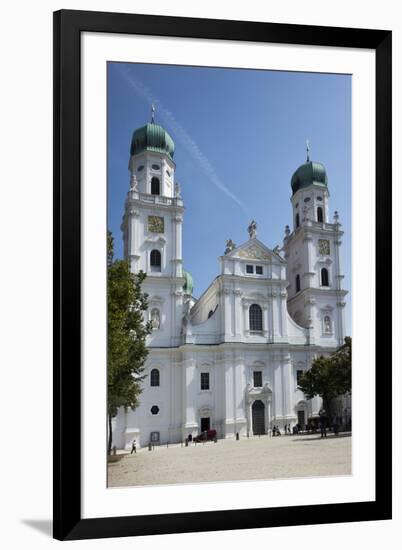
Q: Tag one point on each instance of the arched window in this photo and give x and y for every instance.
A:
(320, 216)
(155, 377)
(155, 259)
(155, 186)
(155, 318)
(255, 316)
(324, 277)
(297, 220)
(297, 283)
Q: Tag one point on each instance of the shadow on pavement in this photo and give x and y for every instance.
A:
(318, 436)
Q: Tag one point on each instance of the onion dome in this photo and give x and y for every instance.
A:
(188, 283)
(152, 137)
(309, 173)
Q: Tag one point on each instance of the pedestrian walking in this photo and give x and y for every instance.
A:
(133, 447)
(323, 423)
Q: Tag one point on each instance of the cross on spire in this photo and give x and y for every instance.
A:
(308, 150)
(153, 110)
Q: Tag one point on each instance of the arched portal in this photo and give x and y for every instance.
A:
(258, 416)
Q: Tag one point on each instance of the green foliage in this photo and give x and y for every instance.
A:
(126, 333)
(329, 377)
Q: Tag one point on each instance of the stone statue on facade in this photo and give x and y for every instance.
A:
(134, 183)
(155, 319)
(177, 191)
(252, 229)
(230, 245)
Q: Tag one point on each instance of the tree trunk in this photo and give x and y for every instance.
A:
(327, 406)
(109, 446)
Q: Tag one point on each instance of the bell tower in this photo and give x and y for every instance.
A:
(152, 229)
(316, 299)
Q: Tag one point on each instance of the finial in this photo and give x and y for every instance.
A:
(153, 110)
(308, 150)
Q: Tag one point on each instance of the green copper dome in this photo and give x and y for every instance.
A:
(152, 137)
(308, 174)
(188, 283)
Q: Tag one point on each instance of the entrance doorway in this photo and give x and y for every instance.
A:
(258, 412)
(205, 424)
(301, 419)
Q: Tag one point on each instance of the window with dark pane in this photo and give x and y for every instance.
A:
(154, 409)
(155, 186)
(255, 314)
(258, 269)
(205, 380)
(324, 277)
(299, 374)
(297, 283)
(155, 260)
(155, 377)
(257, 379)
(249, 269)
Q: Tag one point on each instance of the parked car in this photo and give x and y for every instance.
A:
(208, 435)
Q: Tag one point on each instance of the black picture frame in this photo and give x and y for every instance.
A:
(68, 26)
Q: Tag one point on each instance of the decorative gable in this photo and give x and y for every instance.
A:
(254, 249)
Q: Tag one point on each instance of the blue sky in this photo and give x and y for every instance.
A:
(239, 136)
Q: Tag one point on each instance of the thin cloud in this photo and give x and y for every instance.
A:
(181, 134)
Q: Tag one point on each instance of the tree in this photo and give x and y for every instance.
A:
(127, 334)
(329, 377)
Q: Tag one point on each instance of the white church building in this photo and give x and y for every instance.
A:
(229, 360)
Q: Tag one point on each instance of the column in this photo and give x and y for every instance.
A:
(133, 230)
(265, 320)
(229, 395)
(283, 314)
(246, 319)
(240, 384)
(190, 392)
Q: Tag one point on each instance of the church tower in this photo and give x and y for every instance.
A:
(152, 229)
(316, 299)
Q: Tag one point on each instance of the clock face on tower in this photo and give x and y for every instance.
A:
(156, 224)
(323, 247)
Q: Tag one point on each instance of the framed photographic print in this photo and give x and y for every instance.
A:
(222, 207)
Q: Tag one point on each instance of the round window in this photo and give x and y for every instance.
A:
(140, 168)
(168, 173)
(154, 409)
(319, 198)
(156, 167)
(307, 199)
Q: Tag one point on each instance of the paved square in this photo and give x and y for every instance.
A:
(230, 460)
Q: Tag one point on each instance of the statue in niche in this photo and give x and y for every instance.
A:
(155, 319)
(252, 229)
(327, 324)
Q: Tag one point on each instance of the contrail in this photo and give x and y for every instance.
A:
(182, 135)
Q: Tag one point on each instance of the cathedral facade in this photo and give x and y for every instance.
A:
(231, 359)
